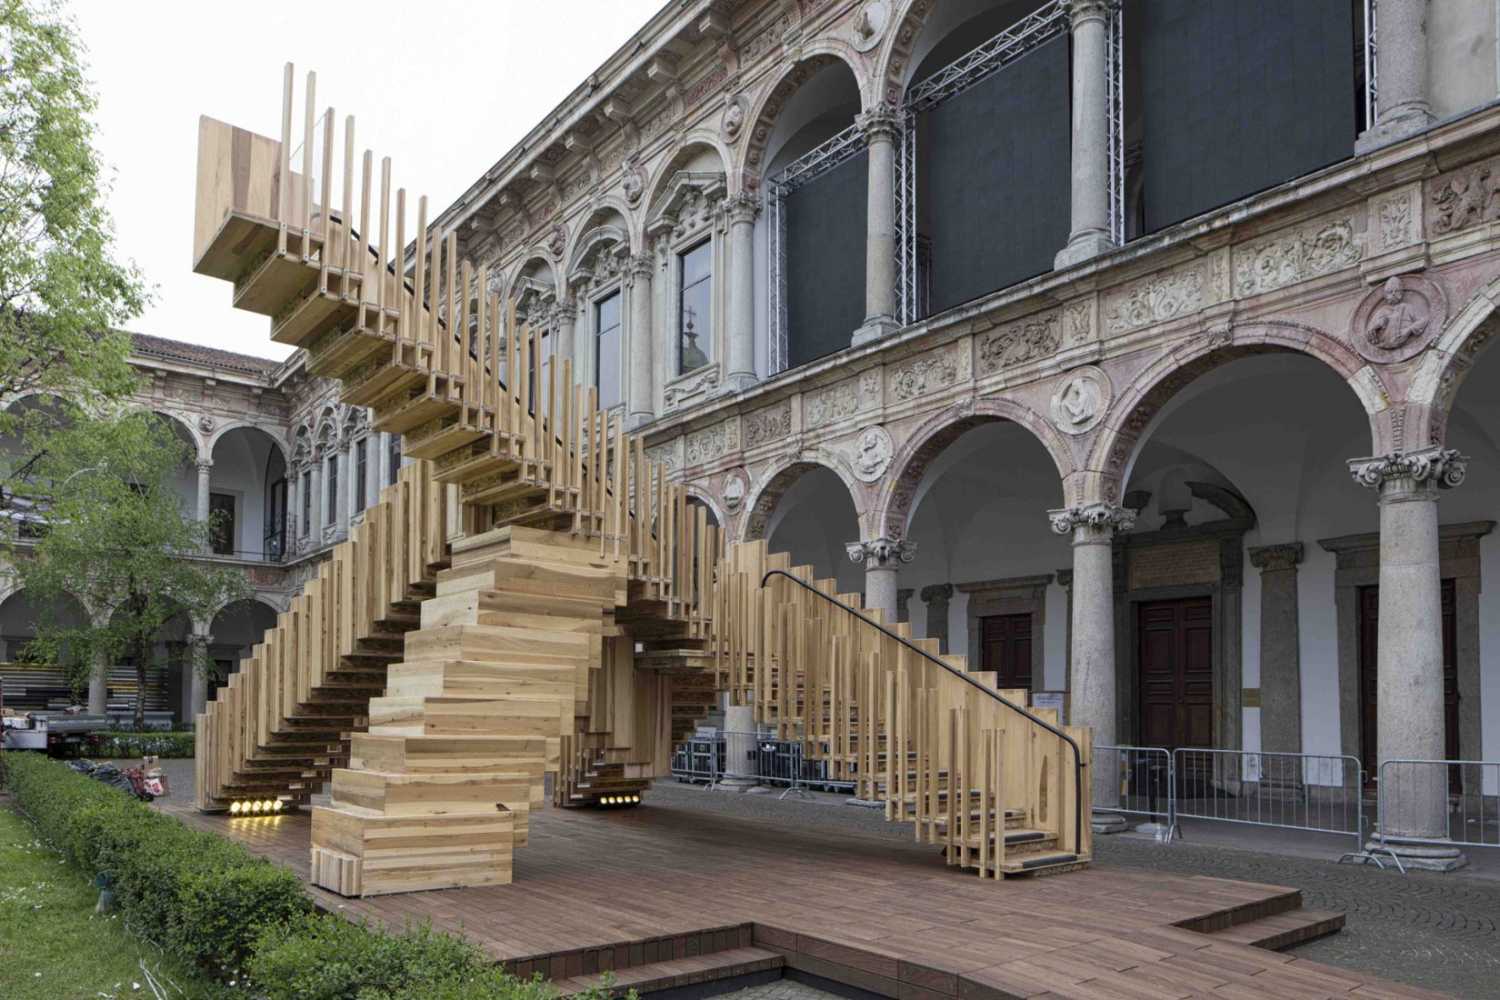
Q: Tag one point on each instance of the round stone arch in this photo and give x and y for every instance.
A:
(1444, 366)
(594, 241)
(671, 164)
(534, 255)
(597, 217)
(185, 420)
(768, 492)
(277, 438)
(708, 500)
(767, 108)
(895, 54)
(898, 496)
(1131, 416)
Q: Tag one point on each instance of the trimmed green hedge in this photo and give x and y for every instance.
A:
(201, 897)
(118, 745)
(211, 902)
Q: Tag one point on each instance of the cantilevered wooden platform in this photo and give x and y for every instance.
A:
(667, 896)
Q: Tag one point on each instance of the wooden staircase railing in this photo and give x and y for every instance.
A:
(577, 613)
(1004, 789)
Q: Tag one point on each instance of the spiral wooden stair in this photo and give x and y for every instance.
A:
(535, 597)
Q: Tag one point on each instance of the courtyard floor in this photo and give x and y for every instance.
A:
(862, 900)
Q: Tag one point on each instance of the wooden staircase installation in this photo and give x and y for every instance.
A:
(577, 614)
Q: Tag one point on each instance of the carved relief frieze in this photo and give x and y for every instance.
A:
(1159, 298)
(711, 443)
(1394, 218)
(768, 424)
(832, 403)
(668, 455)
(1297, 255)
(927, 373)
(1463, 198)
(690, 388)
(1031, 339)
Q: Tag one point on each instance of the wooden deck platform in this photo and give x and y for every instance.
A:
(666, 896)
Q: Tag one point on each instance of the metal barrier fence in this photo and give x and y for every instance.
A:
(1142, 783)
(1322, 793)
(1447, 802)
(708, 760)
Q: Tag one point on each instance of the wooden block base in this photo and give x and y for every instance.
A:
(358, 852)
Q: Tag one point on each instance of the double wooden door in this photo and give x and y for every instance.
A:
(1005, 647)
(1369, 634)
(1174, 642)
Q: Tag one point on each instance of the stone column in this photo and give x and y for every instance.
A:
(197, 663)
(881, 557)
(315, 521)
(936, 598)
(1280, 660)
(740, 368)
(567, 315)
(1401, 106)
(1089, 235)
(881, 126)
(903, 600)
(739, 743)
(205, 471)
(1409, 661)
(1092, 680)
(99, 685)
(640, 345)
(382, 460)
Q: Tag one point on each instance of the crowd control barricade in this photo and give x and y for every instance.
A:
(1465, 792)
(1143, 779)
(1321, 793)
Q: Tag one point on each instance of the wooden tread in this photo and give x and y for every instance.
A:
(679, 971)
(1280, 931)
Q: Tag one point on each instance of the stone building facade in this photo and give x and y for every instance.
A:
(287, 467)
(1063, 333)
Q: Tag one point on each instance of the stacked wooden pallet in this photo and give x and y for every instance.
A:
(587, 614)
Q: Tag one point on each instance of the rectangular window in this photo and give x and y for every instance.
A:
(607, 350)
(393, 443)
(275, 527)
(539, 371)
(331, 496)
(221, 523)
(306, 502)
(695, 328)
(361, 475)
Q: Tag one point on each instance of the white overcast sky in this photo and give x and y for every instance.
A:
(442, 87)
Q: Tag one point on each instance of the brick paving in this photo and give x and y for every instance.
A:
(1433, 931)
(1429, 930)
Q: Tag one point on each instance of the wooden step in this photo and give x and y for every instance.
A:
(1042, 862)
(1280, 931)
(691, 970)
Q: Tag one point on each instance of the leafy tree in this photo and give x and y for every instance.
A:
(63, 295)
(118, 539)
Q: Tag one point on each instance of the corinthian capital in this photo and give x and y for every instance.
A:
(881, 553)
(1102, 518)
(882, 122)
(1443, 468)
(743, 207)
(1088, 10)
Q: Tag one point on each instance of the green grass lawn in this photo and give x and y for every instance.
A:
(54, 947)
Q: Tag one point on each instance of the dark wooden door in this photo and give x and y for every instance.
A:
(1175, 646)
(1005, 647)
(1369, 632)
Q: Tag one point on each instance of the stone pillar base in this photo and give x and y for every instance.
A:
(874, 329)
(1393, 128)
(735, 783)
(737, 382)
(1081, 247)
(1108, 823)
(1427, 857)
(636, 421)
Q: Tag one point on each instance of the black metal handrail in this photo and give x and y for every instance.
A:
(1078, 764)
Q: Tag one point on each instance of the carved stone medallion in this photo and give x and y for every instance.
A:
(734, 120)
(633, 180)
(872, 454)
(1079, 403)
(557, 240)
(1396, 321)
(868, 26)
(733, 492)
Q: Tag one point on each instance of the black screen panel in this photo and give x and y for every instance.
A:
(825, 261)
(1238, 97)
(996, 161)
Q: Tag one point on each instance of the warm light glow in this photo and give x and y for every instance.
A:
(234, 808)
(276, 805)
